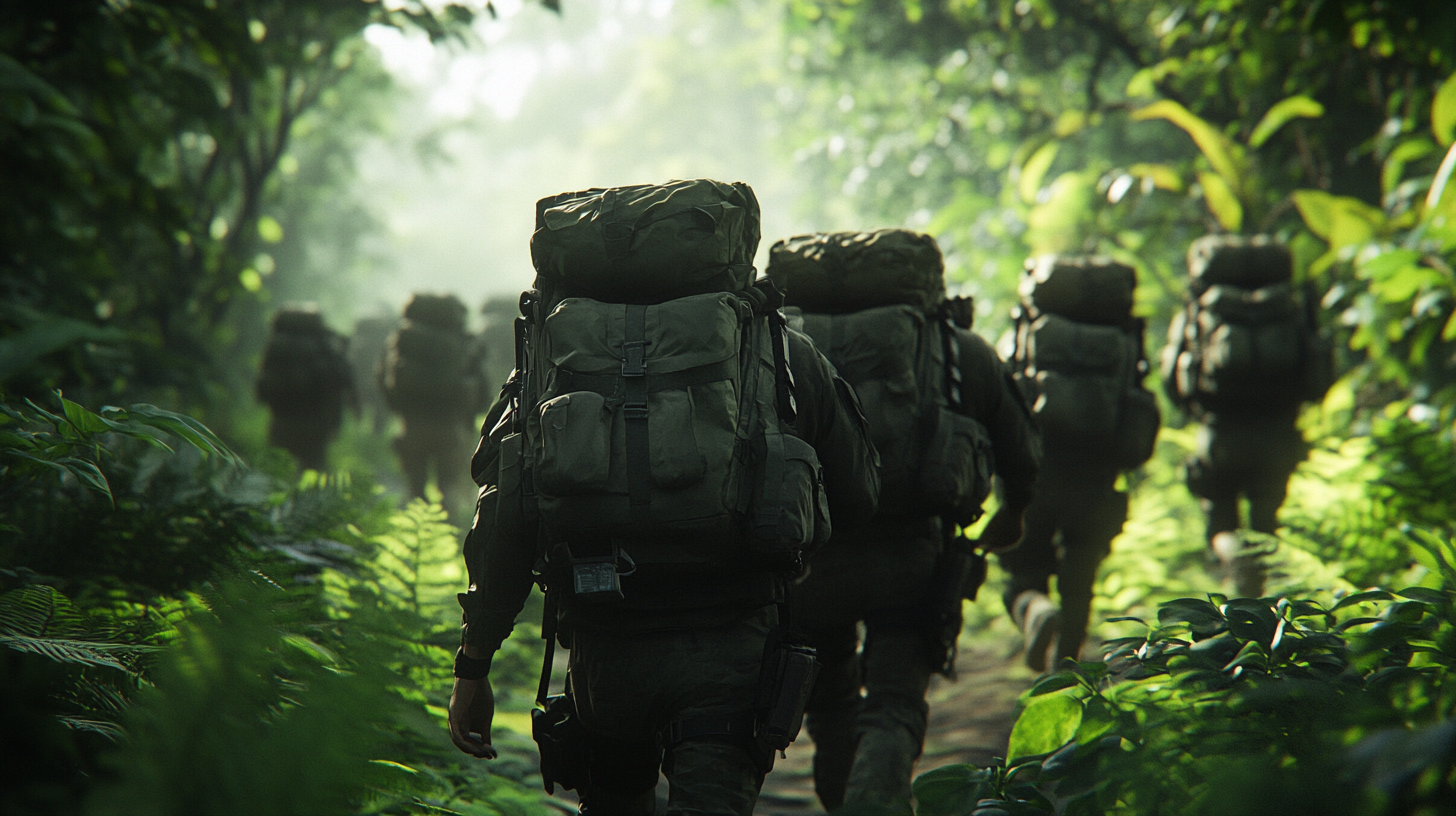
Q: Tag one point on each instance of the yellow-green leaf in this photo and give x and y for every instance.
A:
(1449, 333)
(1035, 170)
(1070, 122)
(1395, 163)
(1281, 114)
(1443, 177)
(1340, 220)
(1221, 153)
(1047, 723)
(1443, 112)
(1163, 176)
(1222, 202)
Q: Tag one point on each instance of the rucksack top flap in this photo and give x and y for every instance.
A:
(1248, 261)
(586, 336)
(1266, 304)
(849, 271)
(1088, 289)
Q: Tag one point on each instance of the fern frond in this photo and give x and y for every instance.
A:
(110, 730)
(39, 611)
(77, 652)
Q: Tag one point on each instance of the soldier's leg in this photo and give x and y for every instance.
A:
(894, 715)
(1085, 543)
(623, 779)
(413, 458)
(1034, 561)
(833, 706)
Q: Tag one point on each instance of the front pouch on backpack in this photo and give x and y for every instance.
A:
(510, 512)
(790, 513)
(958, 465)
(576, 444)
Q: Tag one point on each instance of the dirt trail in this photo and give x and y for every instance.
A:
(970, 721)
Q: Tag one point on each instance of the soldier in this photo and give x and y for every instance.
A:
(943, 414)
(1241, 358)
(1079, 359)
(662, 460)
(431, 377)
(306, 383)
(366, 356)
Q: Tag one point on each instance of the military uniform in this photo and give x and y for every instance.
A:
(674, 653)
(1249, 454)
(305, 382)
(868, 714)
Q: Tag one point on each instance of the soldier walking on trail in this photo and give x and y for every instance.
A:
(1241, 358)
(663, 459)
(305, 382)
(431, 377)
(1080, 361)
(944, 416)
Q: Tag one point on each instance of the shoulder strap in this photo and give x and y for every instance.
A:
(955, 395)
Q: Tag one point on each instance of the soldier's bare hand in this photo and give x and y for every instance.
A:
(472, 708)
(1003, 532)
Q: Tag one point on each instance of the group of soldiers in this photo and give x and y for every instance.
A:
(749, 501)
(426, 367)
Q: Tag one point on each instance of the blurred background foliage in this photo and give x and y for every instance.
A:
(186, 633)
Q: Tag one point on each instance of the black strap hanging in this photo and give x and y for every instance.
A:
(634, 411)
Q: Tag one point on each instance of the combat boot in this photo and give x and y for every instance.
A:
(1040, 621)
(1243, 563)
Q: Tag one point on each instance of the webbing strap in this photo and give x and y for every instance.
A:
(774, 468)
(784, 400)
(548, 633)
(737, 724)
(634, 411)
(607, 384)
(954, 388)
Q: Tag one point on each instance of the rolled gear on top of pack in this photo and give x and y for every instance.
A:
(646, 243)
(839, 272)
(1079, 358)
(651, 427)
(1247, 340)
(875, 304)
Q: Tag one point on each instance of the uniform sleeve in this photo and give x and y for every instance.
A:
(996, 401)
(830, 419)
(499, 570)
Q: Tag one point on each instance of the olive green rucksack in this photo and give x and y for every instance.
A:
(303, 362)
(430, 363)
(874, 303)
(1246, 339)
(651, 419)
(1079, 359)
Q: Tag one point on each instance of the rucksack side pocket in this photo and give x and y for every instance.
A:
(791, 514)
(576, 444)
(1137, 428)
(955, 477)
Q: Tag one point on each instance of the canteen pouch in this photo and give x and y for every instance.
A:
(785, 682)
(958, 466)
(562, 742)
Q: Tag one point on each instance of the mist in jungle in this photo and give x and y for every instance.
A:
(604, 94)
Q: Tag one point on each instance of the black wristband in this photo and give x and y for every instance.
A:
(470, 668)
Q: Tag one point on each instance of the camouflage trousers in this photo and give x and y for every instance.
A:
(304, 435)
(1252, 458)
(445, 444)
(868, 714)
(1069, 531)
(630, 685)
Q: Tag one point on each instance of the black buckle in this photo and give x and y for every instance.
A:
(634, 362)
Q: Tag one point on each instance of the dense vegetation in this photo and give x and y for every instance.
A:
(186, 633)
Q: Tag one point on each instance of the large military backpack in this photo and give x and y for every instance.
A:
(875, 304)
(652, 401)
(1079, 359)
(1246, 339)
(303, 361)
(430, 362)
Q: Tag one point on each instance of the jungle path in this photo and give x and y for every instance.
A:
(970, 722)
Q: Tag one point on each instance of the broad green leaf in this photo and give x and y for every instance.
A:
(1368, 596)
(1222, 201)
(1163, 176)
(1449, 333)
(1046, 724)
(1443, 177)
(948, 790)
(1340, 220)
(1281, 114)
(1221, 153)
(1097, 720)
(1394, 168)
(1443, 112)
(1035, 170)
(82, 419)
